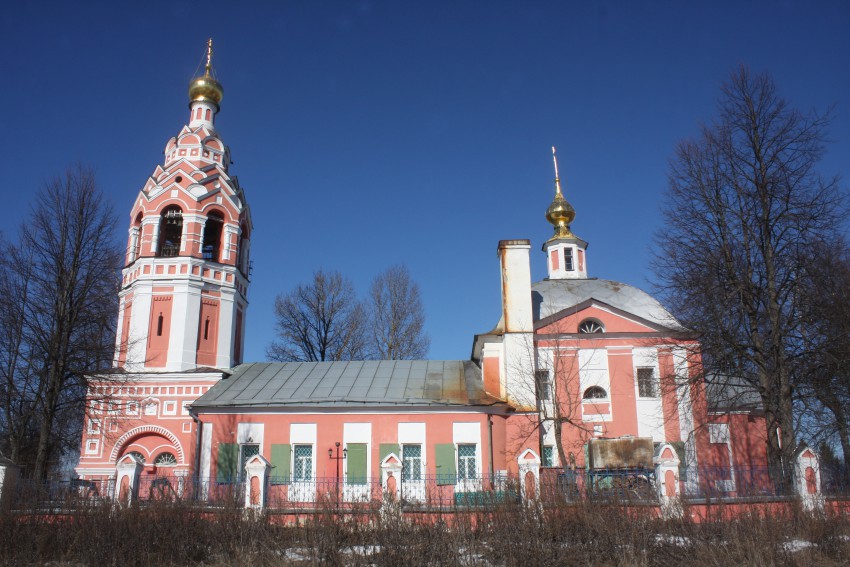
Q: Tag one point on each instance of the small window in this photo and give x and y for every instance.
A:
(595, 393)
(411, 458)
(543, 380)
(303, 463)
(568, 259)
(647, 388)
(165, 460)
(159, 321)
(466, 465)
(590, 326)
(246, 451)
(548, 456)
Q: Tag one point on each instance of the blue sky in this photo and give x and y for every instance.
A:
(372, 133)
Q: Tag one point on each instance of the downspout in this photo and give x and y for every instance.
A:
(197, 474)
(490, 451)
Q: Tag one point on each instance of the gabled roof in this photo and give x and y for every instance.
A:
(550, 297)
(372, 383)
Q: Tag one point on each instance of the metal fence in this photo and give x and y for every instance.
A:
(427, 492)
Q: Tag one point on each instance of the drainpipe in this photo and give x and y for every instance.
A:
(490, 442)
(197, 474)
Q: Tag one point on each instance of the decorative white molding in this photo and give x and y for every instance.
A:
(147, 429)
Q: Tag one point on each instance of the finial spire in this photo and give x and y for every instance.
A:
(557, 177)
(208, 68)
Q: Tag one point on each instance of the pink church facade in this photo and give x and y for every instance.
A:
(573, 360)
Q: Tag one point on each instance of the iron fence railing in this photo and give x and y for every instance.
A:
(428, 492)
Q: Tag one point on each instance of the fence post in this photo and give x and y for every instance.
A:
(529, 475)
(807, 479)
(128, 471)
(9, 474)
(666, 463)
(256, 479)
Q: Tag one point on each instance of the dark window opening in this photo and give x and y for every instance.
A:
(646, 383)
(544, 385)
(159, 326)
(170, 232)
(207, 329)
(595, 393)
(568, 259)
(212, 237)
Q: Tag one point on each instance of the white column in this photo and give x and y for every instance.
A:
(807, 478)
(185, 315)
(529, 462)
(129, 467)
(140, 314)
(667, 480)
(256, 477)
(226, 322)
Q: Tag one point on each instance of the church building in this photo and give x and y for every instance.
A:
(573, 361)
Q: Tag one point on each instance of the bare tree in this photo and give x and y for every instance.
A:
(744, 202)
(320, 320)
(397, 317)
(60, 308)
(824, 388)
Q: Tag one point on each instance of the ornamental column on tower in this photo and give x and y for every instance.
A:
(184, 287)
(566, 253)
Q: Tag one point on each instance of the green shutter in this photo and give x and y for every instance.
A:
(446, 464)
(228, 456)
(281, 463)
(387, 448)
(355, 457)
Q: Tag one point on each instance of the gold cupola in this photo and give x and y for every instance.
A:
(560, 213)
(205, 88)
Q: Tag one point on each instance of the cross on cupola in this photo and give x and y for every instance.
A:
(565, 252)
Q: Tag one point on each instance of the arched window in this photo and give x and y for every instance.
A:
(595, 393)
(137, 238)
(165, 460)
(590, 326)
(211, 246)
(170, 232)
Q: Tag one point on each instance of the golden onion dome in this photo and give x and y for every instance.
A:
(560, 213)
(205, 88)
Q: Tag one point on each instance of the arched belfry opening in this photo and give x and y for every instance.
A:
(211, 246)
(170, 232)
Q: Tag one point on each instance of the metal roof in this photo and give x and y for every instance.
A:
(731, 393)
(370, 383)
(549, 297)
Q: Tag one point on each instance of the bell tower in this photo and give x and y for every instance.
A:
(184, 286)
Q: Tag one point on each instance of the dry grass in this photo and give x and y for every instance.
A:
(507, 534)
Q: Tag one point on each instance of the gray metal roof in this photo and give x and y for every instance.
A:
(731, 393)
(549, 297)
(371, 383)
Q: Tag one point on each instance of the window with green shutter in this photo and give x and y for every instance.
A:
(355, 457)
(281, 463)
(446, 464)
(228, 458)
